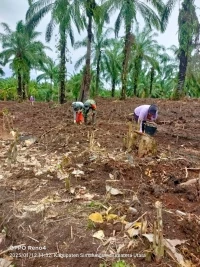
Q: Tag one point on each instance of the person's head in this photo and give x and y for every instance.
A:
(152, 111)
(86, 106)
(74, 106)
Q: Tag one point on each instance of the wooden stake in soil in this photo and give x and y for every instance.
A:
(158, 242)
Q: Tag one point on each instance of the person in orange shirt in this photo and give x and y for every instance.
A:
(78, 112)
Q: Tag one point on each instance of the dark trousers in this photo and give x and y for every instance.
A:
(136, 119)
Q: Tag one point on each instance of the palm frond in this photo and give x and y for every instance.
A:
(34, 20)
(118, 23)
(80, 62)
(49, 30)
(71, 35)
(80, 44)
(166, 14)
(6, 28)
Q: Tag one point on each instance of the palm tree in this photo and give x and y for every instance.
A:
(63, 13)
(166, 77)
(112, 57)
(145, 51)
(50, 72)
(89, 7)
(189, 29)
(127, 14)
(23, 51)
(99, 43)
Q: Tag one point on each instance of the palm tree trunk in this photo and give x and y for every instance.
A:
(136, 73)
(113, 88)
(62, 65)
(127, 49)
(23, 88)
(182, 73)
(98, 74)
(19, 86)
(51, 88)
(85, 86)
(151, 80)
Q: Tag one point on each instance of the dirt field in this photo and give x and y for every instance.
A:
(49, 188)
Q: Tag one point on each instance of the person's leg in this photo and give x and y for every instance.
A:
(143, 125)
(135, 117)
(93, 116)
(85, 116)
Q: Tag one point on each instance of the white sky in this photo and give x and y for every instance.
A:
(12, 11)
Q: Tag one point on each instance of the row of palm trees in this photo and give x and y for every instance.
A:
(124, 62)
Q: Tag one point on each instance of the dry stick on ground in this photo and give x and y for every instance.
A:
(12, 151)
(158, 240)
(192, 181)
(7, 119)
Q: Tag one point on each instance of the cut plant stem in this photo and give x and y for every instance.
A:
(158, 241)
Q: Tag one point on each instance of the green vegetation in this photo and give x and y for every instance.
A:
(134, 65)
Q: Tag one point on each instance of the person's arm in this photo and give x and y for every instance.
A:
(141, 118)
(74, 114)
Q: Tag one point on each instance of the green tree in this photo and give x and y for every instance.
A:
(188, 36)
(127, 14)
(112, 57)
(50, 72)
(99, 43)
(145, 51)
(22, 51)
(189, 30)
(91, 10)
(63, 13)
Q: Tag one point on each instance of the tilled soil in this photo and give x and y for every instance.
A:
(55, 183)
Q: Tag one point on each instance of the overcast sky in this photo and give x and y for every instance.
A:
(12, 11)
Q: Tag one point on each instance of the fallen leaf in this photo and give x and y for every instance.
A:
(96, 217)
(171, 250)
(170, 246)
(133, 232)
(34, 208)
(137, 225)
(72, 190)
(86, 196)
(5, 263)
(2, 237)
(113, 191)
(51, 214)
(111, 217)
(99, 235)
(78, 172)
(111, 176)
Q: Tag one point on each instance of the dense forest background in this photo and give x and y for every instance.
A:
(133, 66)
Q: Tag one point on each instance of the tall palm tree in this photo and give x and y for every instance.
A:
(189, 30)
(63, 13)
(23, 51)
(112, 57)
(145, 50)
(99, 43)
(50, 72)
(127, 14)
(89, 7)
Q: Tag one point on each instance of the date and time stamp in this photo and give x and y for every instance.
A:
(26, 251)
